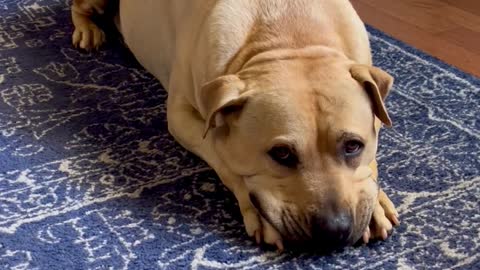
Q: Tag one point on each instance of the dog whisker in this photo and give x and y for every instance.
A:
(288, 225)
(299, 229)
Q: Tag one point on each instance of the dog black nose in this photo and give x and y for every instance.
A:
(332, 231)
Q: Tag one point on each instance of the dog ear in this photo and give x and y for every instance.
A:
(377, 83)
(221, 97)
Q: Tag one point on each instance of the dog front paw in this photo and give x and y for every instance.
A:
(88, 37)
(384, 218)
(257, 227)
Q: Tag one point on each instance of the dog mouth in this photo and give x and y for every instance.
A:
(301, 230)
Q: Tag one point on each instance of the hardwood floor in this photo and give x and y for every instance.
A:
(446, 29)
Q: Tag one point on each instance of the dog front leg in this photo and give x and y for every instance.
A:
(187, 126)
(87, 35)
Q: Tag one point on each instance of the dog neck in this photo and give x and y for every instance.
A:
(280, 38)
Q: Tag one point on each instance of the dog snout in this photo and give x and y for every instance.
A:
(332, 231)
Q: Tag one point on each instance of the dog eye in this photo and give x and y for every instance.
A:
(284, 156)
(352, 148)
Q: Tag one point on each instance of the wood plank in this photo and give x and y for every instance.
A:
(429, 15)
(463, 37)
(462, 18)
(471, 6)
(418, 37)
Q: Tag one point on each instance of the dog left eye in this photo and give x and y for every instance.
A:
(284, 156)
(352, 148)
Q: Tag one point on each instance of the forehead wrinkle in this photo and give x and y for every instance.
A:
(321, 107)
(329, 107)
(325, 103)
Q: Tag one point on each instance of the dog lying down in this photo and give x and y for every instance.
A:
(279, 97)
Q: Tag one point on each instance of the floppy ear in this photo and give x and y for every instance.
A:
(377, 83)
(221, 97)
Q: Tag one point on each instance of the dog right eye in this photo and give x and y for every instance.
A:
(284, 156)
(353, 148)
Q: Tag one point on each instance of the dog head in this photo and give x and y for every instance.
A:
(302, 132)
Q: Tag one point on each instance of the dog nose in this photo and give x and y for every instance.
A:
(332, 231)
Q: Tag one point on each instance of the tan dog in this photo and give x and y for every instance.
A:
(279, 97)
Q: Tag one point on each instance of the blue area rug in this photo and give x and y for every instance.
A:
(91, 179)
